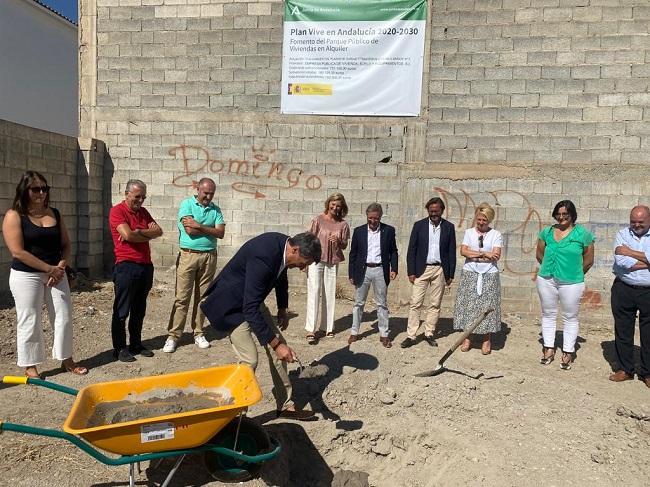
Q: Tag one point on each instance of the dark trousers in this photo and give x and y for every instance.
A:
(626, 301)
(132, 285)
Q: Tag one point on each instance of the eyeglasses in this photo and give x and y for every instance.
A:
(562, 215)
(39, 189)
(480, 241)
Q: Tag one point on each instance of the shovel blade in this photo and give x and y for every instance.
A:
(430, 373)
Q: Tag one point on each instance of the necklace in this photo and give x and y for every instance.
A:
(39, 214)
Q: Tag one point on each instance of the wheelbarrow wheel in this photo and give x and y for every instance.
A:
(252, 440)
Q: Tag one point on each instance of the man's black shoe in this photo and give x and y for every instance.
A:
(145, 352)
(408, 342)
(431, 341)
(125, 356)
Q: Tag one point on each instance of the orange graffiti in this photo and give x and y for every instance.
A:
(196, 159)
(591, 299)
(531, 223)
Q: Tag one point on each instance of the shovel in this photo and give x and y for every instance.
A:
(440, 368)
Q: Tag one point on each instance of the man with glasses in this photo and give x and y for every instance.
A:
(200, 224)
(631, 295)
(431, 263)
(132, 227)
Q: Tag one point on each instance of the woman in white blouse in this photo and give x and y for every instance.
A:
(480, 286)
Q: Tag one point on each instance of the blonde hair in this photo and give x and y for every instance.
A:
(337, 197)
(486, 210)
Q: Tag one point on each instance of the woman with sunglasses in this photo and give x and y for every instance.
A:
(480, 286)
(40, 246)
(566, 252)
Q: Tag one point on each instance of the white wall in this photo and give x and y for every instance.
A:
(38, 68)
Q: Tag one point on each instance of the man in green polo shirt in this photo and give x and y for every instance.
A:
(200, 224)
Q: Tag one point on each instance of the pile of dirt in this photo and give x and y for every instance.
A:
(500, 419)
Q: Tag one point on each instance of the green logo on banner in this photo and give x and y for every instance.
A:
(346, 10)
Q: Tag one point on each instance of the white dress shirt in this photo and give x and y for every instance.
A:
(374, 246)
(433, 256)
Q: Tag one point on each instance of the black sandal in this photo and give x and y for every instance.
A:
(567, 360)
(547, 360)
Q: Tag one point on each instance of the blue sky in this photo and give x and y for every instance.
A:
(66, 7)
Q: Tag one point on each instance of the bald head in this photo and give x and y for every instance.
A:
(640, 220)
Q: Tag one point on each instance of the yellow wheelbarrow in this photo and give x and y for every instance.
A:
(233, 446)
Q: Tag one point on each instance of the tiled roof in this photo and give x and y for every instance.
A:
(42, 4)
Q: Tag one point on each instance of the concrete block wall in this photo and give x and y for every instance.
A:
(75, 174)
(526, 102)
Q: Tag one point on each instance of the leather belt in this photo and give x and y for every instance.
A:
(192, 251)
(373, 265)
(435, 263)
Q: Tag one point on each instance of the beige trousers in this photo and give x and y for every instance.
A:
(194, 273)
(245, 348)
(433, 281)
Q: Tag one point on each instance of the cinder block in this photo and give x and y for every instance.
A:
(259, 9)
(213, 10)
(584, 72)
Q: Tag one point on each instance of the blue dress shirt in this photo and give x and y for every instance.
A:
(623, 264)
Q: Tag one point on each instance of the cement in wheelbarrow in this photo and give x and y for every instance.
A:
(166, 432)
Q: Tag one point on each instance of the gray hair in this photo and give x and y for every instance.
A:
(308, 245)
(372, 207)
(135, 182)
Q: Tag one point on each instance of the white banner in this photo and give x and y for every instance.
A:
(361, 58)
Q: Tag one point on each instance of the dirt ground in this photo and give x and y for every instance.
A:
(497, 420)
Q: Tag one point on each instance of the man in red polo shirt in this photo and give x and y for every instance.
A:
(131, 227)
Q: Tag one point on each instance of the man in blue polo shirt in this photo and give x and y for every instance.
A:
(200, 224)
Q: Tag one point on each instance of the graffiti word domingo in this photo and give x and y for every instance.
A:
(263, 173)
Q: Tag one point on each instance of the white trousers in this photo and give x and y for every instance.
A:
(29, 290)
(551, 293)
(321, 291)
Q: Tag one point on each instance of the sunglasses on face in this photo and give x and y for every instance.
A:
(39, 189)
(480, 241)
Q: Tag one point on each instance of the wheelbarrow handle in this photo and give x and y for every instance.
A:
(16, 380)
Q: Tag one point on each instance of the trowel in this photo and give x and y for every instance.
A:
(440, 368)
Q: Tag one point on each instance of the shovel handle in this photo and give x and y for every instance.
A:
(465, 334)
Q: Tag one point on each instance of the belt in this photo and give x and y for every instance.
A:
(373, 265)
(435, 263)
(192, 251)
(633, 286)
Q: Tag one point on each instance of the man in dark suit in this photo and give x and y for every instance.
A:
(234, 303)
(373, 260)
(430, 262)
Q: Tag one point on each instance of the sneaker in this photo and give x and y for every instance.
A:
(201, 342)
(408, 342)
(170, 346)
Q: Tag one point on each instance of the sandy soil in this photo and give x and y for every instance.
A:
(499, 420)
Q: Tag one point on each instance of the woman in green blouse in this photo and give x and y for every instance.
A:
(566, 252)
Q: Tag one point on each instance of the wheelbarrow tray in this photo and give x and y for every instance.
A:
(169, 432)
